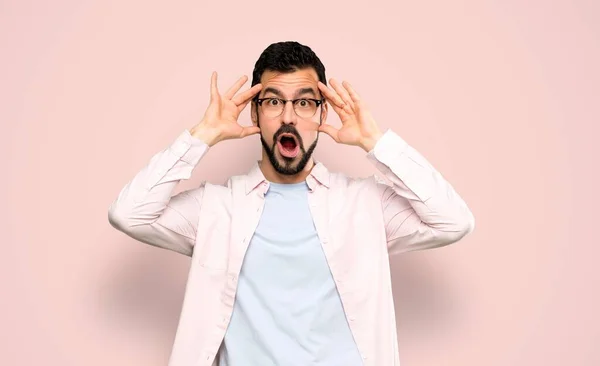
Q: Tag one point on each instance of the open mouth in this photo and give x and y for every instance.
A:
(288, 145)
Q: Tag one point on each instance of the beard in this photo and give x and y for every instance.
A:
(284, 165)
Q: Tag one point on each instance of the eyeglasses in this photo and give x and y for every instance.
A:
(303, 107)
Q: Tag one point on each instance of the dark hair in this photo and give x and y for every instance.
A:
(288, 56)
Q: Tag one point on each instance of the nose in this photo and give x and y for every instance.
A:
(289, 115)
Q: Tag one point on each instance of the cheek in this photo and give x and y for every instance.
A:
(267, 131)
(309, 130)
(308, 138)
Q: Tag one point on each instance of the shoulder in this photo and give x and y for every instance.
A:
(344, 182)
(208, 194)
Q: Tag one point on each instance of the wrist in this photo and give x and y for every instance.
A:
(206, 134)
(369, 143)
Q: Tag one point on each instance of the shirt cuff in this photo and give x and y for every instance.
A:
(188, 148)
(393, 157)
(389, 145)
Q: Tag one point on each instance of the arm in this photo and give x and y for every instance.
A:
(145, 210)
(421, 209)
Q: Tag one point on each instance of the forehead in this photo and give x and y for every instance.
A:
(290, 82)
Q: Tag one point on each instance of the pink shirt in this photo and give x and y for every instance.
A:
(360, 223)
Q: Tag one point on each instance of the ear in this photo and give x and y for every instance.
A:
(253, 113)
(324, 112)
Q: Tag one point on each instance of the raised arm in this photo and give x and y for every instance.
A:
(145, 208)
(421, 209)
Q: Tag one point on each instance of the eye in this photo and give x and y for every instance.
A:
(273, 102)
(304, 103)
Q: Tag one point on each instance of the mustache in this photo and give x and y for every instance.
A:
(287, 129)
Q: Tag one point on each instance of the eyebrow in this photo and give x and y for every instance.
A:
(298, 93)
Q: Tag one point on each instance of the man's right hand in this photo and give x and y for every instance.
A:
(220, 119)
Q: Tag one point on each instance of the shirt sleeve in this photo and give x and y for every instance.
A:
(421, 209)
(145, 208)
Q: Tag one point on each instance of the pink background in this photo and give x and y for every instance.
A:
(501, 96)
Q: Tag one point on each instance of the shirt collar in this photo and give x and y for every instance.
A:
(318, 175)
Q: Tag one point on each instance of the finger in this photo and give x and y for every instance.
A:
(247, 95)
(236, 87)
(250, 130)
(342, 93)
(331, 131)
(353, 94)
(243, 104)
(214, 90)
(335, 100)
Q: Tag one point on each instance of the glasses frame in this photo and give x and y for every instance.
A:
(319, 102)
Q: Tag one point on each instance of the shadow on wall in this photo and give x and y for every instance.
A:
(427, 305)
(145, 294)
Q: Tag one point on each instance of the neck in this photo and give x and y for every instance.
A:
(273, 176)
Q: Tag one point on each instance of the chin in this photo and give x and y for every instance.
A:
(287, 166)
(289, 162)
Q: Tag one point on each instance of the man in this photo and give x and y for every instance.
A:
(290, 261)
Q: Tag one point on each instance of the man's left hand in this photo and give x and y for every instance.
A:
(358, 126)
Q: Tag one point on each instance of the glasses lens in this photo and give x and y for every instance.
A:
(272, 107)
(305, 108)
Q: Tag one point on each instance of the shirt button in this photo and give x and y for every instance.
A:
(352, 318)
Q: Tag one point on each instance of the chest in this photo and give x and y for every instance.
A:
(347, 224)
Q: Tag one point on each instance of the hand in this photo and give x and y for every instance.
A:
(220, 119)
(358, 126)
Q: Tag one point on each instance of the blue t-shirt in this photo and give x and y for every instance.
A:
(287, 310)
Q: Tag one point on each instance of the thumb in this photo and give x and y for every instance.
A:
(250, 130)
(331, 131)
